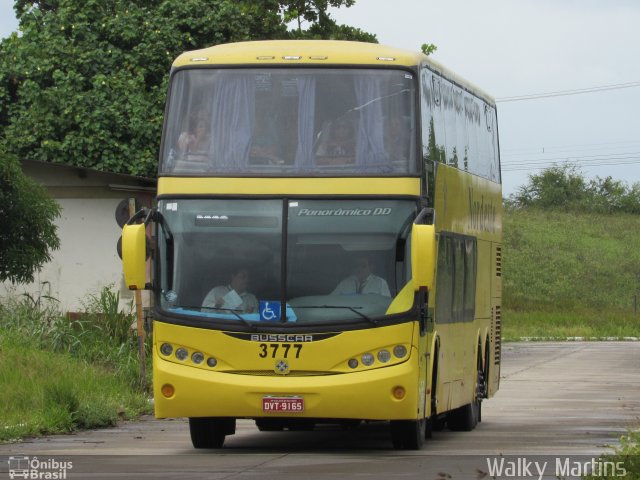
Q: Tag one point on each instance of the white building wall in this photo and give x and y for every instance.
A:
(87, 259)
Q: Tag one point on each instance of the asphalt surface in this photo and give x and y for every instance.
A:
(559, 403)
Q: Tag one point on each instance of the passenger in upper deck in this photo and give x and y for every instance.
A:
(337, 143)
(363, 281)
(197, 138)
(196, 142)
(233, 296)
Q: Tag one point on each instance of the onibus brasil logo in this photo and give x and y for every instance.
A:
(34, 468)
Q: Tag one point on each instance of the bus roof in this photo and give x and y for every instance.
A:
(317, 52)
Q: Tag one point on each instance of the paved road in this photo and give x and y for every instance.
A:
(560, 402)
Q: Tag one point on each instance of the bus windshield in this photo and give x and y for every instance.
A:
(243, 260)
(286, 121)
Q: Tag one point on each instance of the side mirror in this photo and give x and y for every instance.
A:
(423, 254)
(134, 258)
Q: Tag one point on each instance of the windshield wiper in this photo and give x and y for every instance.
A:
(353, 309)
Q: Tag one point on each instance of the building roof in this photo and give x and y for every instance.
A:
(64, 181)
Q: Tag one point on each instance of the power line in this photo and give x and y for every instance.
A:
(574, 147)
(595, 163)
(574, 158)
(563, 93)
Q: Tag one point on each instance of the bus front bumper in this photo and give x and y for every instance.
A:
(365, 395)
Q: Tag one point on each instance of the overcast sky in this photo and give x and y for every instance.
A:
(521, 47)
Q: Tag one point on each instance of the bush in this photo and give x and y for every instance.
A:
(565, 188)
(61, 373)
(101, 335)
(626, 457)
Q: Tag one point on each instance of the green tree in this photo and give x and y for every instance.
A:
(311, 11)
(565, 188)
(85, 81)
(560, 187)
(27, 231)
(320, 24)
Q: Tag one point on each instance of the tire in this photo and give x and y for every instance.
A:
(408, 434)
(465, 418)
(210, 432)
(428, 428)
(436, 422)
(485, 379)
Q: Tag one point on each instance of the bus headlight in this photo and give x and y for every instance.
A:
(197, 358)
(400, 351)
(353, 363)
(166, 349)
(367, 359)
(384, 356)
(182, 354)
(212, 362)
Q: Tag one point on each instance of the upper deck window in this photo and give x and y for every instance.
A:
(290, 122)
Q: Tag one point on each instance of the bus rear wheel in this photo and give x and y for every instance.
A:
(210, 432)
(408, 434)
(465, 418)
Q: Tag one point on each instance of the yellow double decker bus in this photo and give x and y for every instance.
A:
(328, 242)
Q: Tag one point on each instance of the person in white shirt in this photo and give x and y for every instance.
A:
(233, 296)
(363, 281)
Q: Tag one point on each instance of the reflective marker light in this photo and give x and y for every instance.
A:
(400, 351)
(384, 356)
(212, 362)
(197, 358)
(166, 349)
(353, 363)
(398, 392)
(367, 359)
(168, 390)
(182, 354)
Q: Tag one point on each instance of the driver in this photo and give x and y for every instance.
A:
(362, 281)
(233, 296)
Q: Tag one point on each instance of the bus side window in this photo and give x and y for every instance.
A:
(455, 278)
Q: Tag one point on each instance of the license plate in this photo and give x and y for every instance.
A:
(283, 404)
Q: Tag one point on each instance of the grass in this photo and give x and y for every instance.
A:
(570, 324)
(570, 275)
(61, 374)
(47, 392)
(624, 462)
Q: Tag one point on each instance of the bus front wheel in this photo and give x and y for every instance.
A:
(210, 432)
(408, 434)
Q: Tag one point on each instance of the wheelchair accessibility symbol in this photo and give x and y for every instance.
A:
(269, 311)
